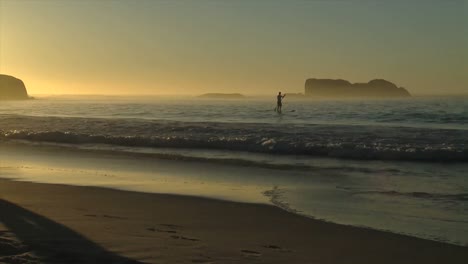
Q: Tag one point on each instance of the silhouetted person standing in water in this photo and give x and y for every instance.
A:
(279, 102)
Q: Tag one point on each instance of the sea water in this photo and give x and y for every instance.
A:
(399, 165)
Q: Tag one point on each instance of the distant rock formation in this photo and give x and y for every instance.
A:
(12, 88)
(222, 96)
(343, 89)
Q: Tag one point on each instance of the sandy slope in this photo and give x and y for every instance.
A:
(67, 224)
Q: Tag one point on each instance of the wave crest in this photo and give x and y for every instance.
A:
(337, 141)
(251, 144)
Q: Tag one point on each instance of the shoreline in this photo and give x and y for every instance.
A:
(90, 223)
(52, 164)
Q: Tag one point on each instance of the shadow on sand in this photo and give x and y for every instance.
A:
(51, 242)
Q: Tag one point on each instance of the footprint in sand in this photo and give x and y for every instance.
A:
(113, 217)
(152, 229)
(166, 231)
(14, 251)
(276, 248)
(105, 216)
(90, 215)
(251, 253)
(171, 226)
(185, 238)
(11, 247)
(271, 246)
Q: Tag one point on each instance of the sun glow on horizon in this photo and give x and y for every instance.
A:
(188, 47)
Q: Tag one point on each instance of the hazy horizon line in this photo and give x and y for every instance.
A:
(192, 95)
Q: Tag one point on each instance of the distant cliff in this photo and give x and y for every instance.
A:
(343, 89)
(12, 88)
(222, 96)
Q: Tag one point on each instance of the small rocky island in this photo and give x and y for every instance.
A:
(12, 88)
(330, 88)
(222, 96)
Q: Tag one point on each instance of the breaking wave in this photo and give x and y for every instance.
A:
(337, 141)
(422, 195)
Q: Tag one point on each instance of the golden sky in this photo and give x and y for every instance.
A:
(251, 47)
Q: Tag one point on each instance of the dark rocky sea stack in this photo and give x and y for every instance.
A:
(12, 88)
(343, 89)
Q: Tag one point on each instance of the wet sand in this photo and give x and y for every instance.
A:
(49, 223)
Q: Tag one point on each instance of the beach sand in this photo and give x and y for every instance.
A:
(49, 223)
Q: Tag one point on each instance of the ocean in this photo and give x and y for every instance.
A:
(399, 165)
